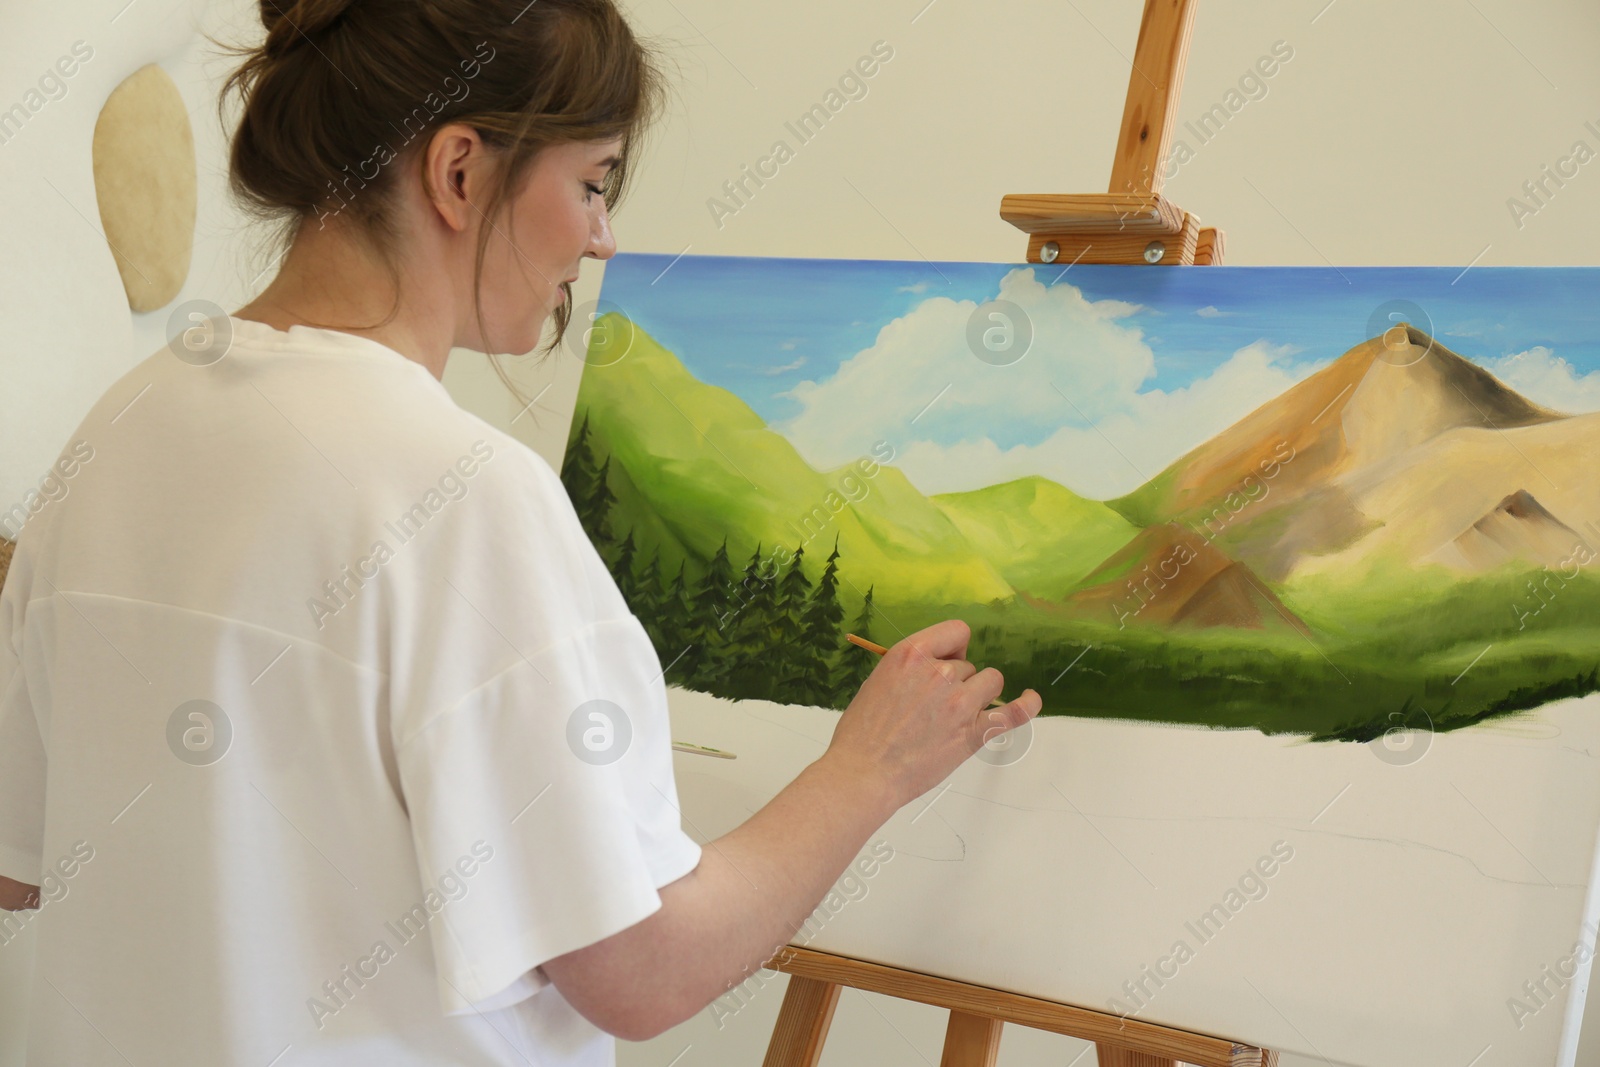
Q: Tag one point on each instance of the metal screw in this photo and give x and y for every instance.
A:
(1154, 251)
(1048, 252)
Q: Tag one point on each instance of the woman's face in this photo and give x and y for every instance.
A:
(557, 218)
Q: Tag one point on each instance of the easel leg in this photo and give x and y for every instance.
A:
(971, 1041)
(803, 1023)
(1115, 1056)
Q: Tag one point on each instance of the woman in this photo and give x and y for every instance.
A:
(355, 753)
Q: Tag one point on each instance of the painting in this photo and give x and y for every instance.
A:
(1328, 502)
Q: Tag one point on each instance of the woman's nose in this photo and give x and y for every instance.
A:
(602, 245)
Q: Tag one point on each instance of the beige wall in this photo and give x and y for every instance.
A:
(1395, 135)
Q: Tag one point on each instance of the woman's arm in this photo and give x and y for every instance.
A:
(920, 714)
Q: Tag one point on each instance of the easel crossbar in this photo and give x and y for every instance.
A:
(1132, 1035)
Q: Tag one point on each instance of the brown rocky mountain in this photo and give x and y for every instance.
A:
(1400, 447)
(1169, 575)
(1518, 528)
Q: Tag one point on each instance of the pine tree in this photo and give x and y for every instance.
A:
(595, 510)
(863, 623)
(749, 639)
(577, 466)
(823, 634)
(791, 655)
(647, 597)
(854, 663)
(622, 571)
(706, 663)
(676, 636)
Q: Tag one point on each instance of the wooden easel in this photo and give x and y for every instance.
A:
(1132, 223)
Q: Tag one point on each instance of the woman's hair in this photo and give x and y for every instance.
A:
(342, 93)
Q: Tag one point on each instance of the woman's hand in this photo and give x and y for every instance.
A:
(923, 711)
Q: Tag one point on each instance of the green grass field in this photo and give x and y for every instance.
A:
(1443, 664)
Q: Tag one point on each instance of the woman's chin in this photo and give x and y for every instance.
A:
(523, 339)
(535, 332)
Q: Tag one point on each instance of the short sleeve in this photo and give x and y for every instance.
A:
(22, 759)
(533, 750)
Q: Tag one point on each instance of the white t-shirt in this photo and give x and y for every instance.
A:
(299, 665)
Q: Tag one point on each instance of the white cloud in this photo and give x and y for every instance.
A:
(1115, 309)
(789, 345)
(1545, 378)
(1210, 311)
(1127, 448)
(787, 367)
(884, 392)
(919, 288)
(1074, 408)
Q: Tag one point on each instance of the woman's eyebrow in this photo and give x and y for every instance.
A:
(609, 162)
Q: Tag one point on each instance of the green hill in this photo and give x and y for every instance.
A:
(692, 463)
(1041, 536)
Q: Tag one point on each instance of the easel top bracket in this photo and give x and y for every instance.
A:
(1133, 222)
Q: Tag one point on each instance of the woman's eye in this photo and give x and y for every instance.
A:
(594, 190)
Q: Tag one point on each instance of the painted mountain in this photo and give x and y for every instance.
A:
(1398, 538)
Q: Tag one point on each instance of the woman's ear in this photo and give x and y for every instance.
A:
(453, 173)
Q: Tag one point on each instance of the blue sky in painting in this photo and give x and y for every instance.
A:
(788, 335)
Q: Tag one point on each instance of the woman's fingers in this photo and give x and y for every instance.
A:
(942, 640)
(993, 722)
(983, 686)
(957, 670)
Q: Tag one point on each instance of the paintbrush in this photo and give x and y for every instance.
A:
(701, 750)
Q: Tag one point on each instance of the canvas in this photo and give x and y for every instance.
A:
(1344, 504)
(1300, 560)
